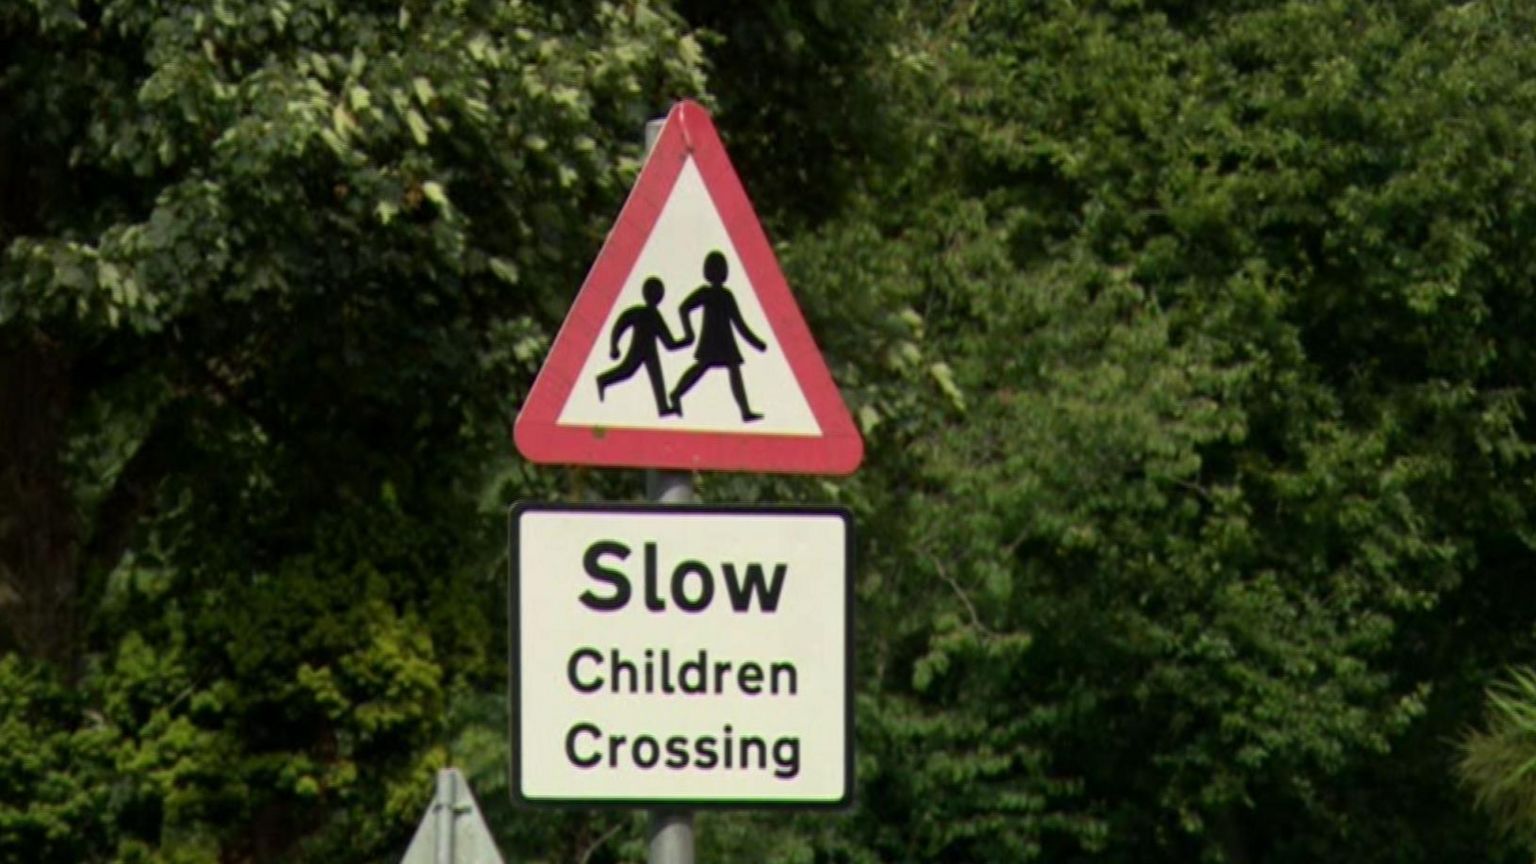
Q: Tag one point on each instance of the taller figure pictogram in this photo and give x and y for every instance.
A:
(717, 335)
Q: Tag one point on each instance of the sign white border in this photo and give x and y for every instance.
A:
(533, 781)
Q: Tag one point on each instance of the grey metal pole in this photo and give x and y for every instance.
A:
(671, 831)
(446, 795)
(671, 837)
(669, 487)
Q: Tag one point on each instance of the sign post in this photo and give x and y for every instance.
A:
(670, 832)
(683, 351)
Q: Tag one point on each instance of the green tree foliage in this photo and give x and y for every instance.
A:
(1498, 760)
(795, 77)
(271, 277)
(1190, 342)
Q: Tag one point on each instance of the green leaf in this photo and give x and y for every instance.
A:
(505, 270)
(418, 126)
(423, 89)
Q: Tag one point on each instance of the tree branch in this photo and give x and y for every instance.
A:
(598, 843)
(965, 599)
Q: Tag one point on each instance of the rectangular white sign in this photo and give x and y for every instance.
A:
(681, 655)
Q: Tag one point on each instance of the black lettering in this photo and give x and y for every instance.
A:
(725, 745)
(722, 669)
(705, 748)
(767, 593)
(653, 600)
(786, 758)
(615, 578)
(650, 672)
(749, 743)
(570, 745)
(618, 667)
(666, 672)
(615, 744)
(680, 587)
(750, 678)
(788, 671)
(642, 761)
(574, 676)
(677, 752)
(699, 670)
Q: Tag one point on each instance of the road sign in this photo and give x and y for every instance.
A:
(689, 656)
(452, 831)
(684, 348)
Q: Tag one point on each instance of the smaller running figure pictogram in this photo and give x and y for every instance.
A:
(648, 330)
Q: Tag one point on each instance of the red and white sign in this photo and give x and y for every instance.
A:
(684, 348)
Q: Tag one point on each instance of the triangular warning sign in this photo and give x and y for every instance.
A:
(453, 831)
(684, 348)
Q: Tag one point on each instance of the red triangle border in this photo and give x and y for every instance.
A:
(837, 451)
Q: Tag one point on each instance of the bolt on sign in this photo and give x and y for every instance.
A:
(669, 655)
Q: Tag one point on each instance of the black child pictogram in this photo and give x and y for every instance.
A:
(646, 328)
(717, 336)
